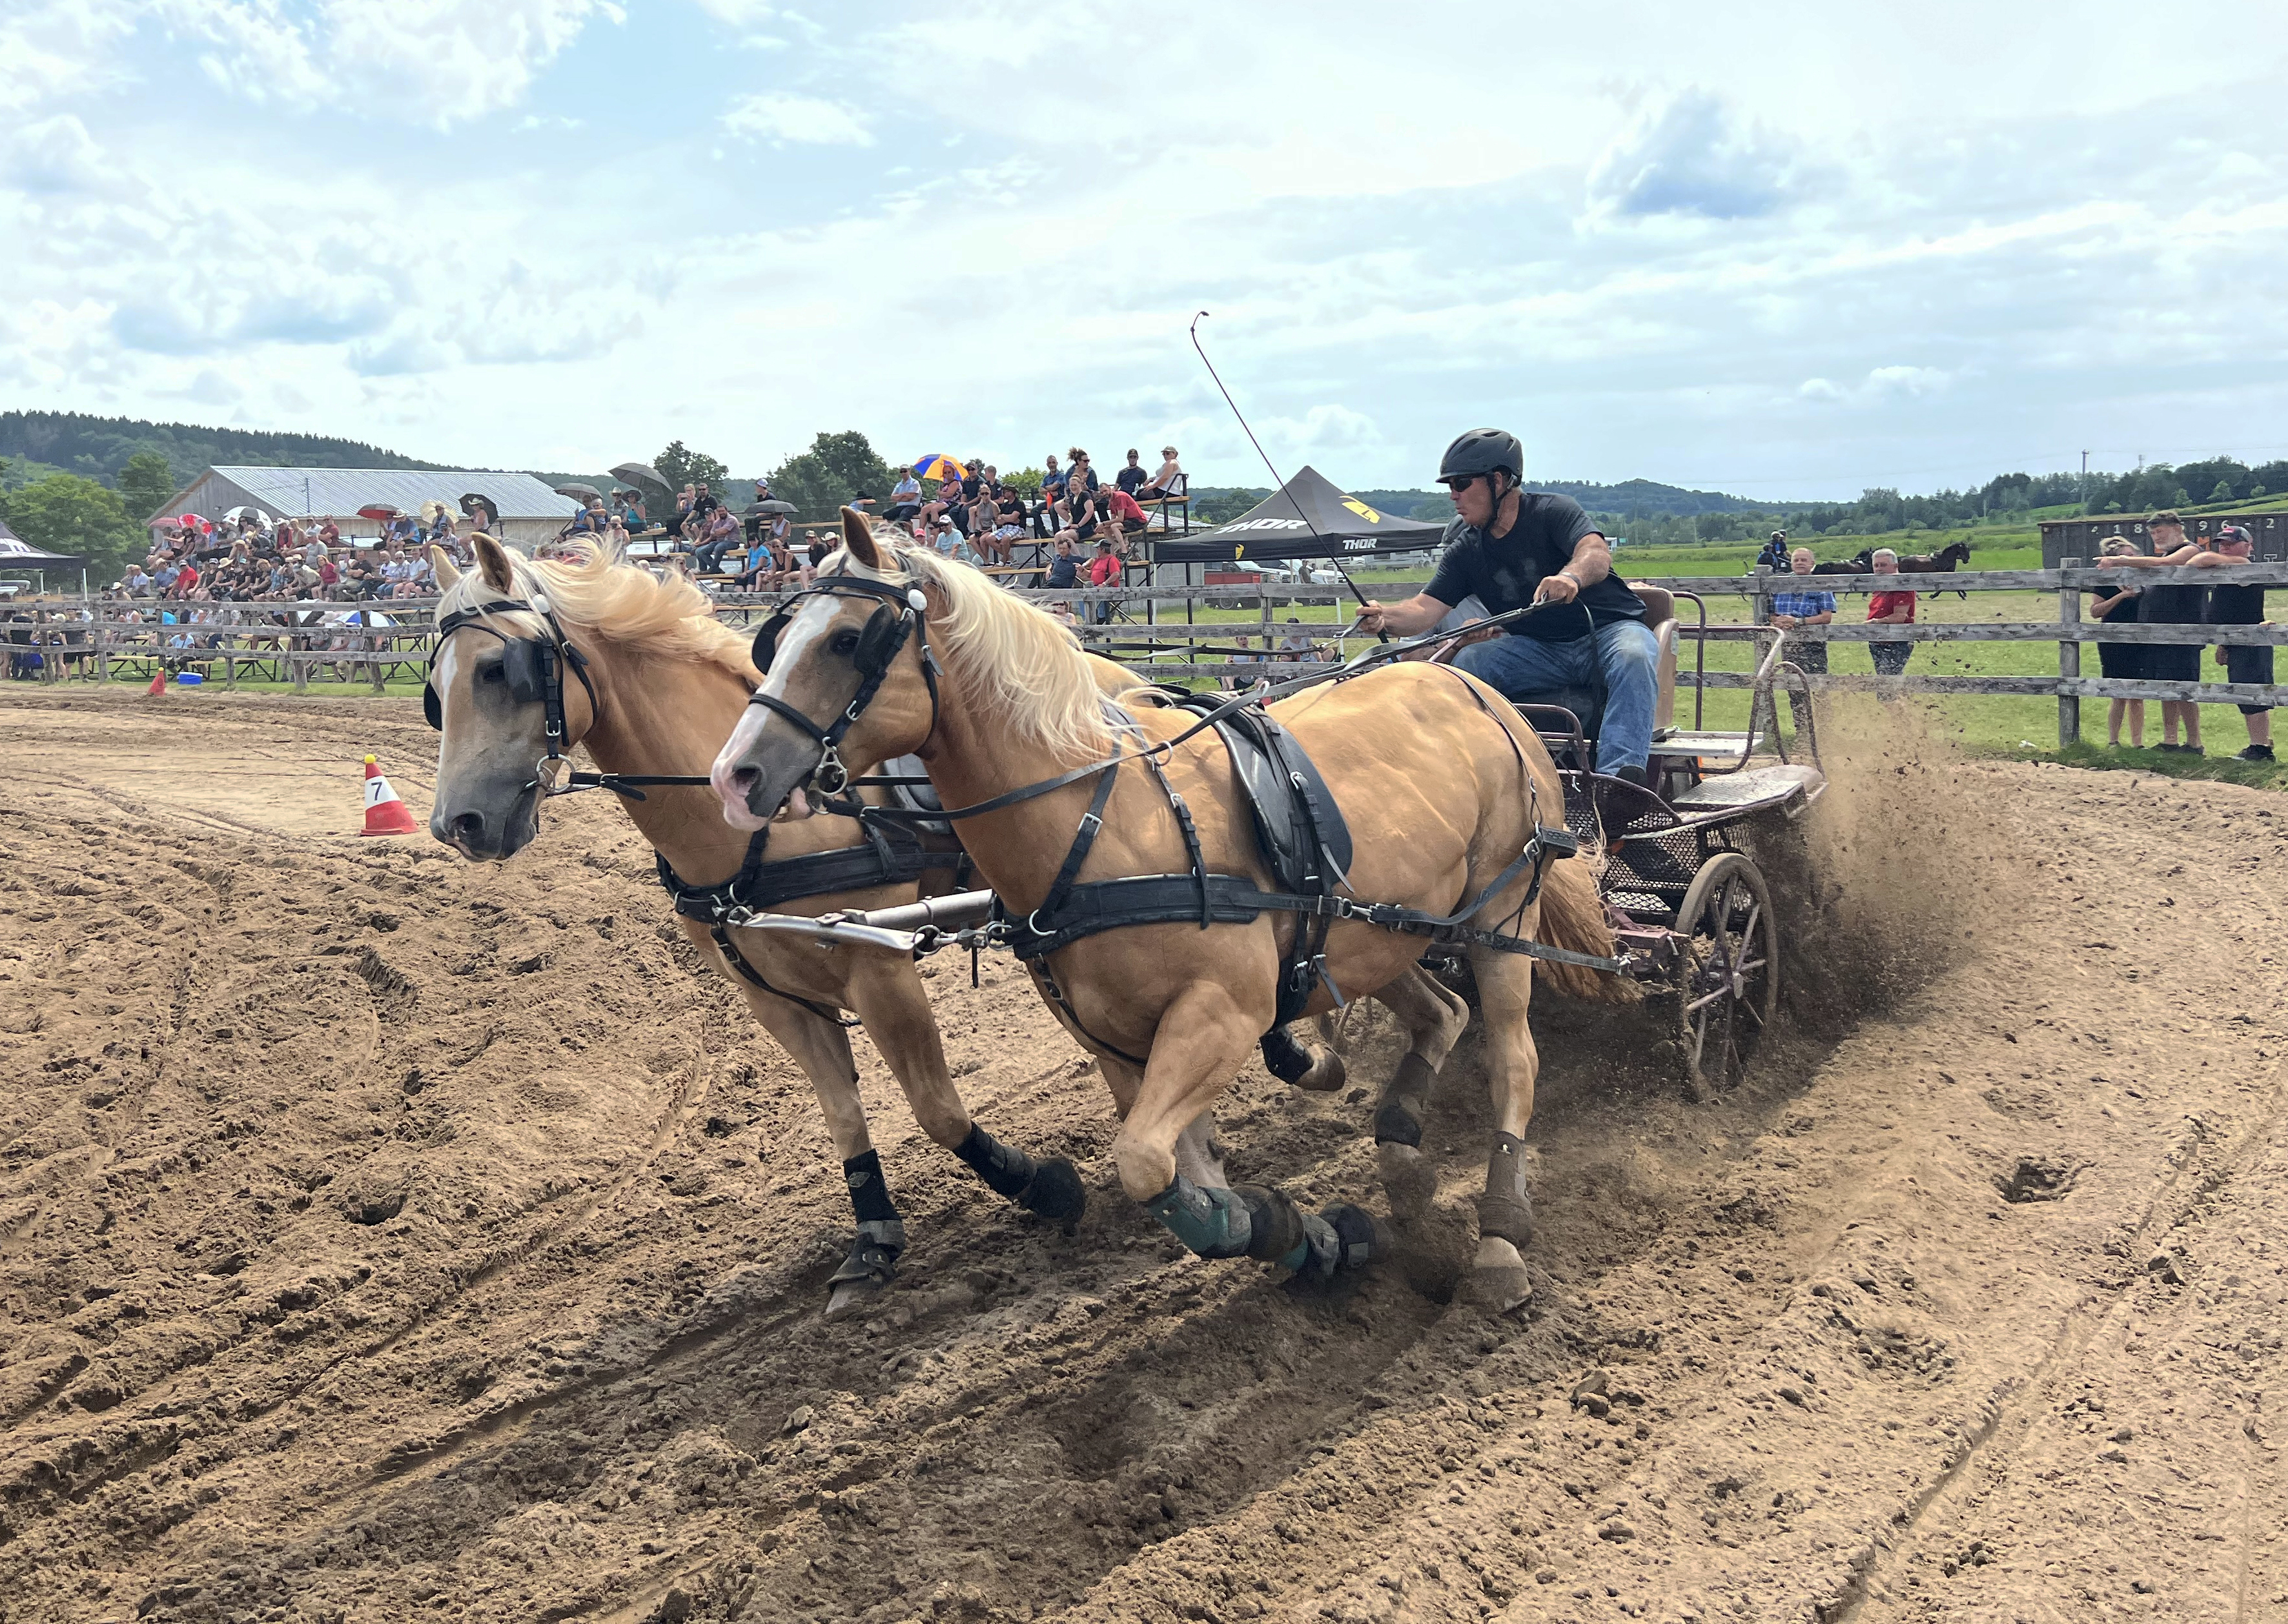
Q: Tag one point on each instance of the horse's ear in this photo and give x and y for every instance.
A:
(448, 573)
(858, 537)
(493, 565)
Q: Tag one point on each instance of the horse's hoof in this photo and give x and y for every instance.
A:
(1361, 1238)
(1327, 1073)
(1409, 1177)
(1500, 1291)
(1498, 1279)
(1056, 1193)
(849, 1297)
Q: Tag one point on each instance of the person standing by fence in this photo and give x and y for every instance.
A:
(1793, 609)
(2236, 604)
(1888, 608)
(2122, 661)
(2170, 604)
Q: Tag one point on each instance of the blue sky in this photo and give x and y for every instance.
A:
(1783, 250)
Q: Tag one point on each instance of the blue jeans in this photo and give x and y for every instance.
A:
(1623, 657)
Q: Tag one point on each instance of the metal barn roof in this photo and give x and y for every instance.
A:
(296, 491)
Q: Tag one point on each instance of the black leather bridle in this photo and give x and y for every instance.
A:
(876, 647)
(534, 668)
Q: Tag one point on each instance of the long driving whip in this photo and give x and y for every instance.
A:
(1276, 482)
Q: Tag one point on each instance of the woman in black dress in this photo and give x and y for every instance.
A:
(2125, 660)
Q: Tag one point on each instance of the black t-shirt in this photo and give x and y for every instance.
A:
(1503, 573)
(705, 506)
(2171, 605)
(2234, 606)
(2126, 609)
(1131, 480)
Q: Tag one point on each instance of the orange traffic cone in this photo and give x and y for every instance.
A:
(158, 685)
(384, 813)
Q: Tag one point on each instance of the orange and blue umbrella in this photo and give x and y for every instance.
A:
(937, 465)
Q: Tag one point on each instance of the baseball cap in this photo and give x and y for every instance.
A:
(2234, 533)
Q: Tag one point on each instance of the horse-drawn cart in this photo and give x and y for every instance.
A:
(1690, 905)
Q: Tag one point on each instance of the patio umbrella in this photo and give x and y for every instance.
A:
(937, 465)
(579, 492)
(640, 473)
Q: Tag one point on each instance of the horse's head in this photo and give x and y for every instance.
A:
(496, 673)
(845, 686)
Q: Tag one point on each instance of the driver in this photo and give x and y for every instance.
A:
(1514, 548)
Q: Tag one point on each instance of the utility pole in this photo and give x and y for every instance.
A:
(2084, 480)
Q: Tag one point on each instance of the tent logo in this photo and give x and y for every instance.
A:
(1361, 510)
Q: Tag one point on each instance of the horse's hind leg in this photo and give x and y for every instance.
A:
(888, 997)
(1505, 1210)
(1435, 1018)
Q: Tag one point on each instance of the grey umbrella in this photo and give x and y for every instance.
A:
(641, 473)
(579, 491)
(772, 507)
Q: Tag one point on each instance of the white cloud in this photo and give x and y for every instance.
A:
(809, 120)
(50, 53)
(1691, 154)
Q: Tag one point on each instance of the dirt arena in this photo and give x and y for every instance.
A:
(385, 1238)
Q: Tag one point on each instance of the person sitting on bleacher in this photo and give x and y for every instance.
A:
(721, 535)
(1515, 548)
(1162, 483)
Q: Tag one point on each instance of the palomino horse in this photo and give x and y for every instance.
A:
(650, 682)
(1444, 787)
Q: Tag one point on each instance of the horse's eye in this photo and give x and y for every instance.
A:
(845, 642)
(496, 672)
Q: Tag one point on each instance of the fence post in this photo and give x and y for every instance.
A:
(2069, 653)
(1760, 612)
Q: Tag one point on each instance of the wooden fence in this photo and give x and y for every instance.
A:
(254, 640)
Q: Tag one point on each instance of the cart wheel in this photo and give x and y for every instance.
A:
(1730, 982)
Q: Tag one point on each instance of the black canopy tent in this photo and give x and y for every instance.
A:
(1307, 518)
(16, 553)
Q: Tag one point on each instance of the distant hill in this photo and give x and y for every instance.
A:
(96, 446)
(1631, 498)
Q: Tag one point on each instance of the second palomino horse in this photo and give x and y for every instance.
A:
(1096, 822)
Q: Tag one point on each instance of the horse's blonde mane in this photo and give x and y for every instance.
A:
(1010, 658)
(592, 589)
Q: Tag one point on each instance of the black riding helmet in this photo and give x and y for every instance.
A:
(1482, 451)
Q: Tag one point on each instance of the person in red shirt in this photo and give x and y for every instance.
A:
(1122, 509)
(1103, 571)
(1889, 609)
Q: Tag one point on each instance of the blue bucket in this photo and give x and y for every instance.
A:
(189, 679)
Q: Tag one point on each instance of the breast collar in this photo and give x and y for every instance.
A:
(879, 646)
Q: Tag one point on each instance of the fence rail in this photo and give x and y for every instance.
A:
(290, 639)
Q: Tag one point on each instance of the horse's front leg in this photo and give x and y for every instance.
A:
(822, 1048)
(887, 995)
(1203, 1038)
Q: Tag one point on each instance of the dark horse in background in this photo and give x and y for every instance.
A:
(1945, 561)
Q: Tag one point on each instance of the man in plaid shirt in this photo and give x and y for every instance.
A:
(1795, 610)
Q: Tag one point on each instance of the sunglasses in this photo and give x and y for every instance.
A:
(1462, 483)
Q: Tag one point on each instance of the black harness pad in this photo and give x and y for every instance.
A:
(1302, 831)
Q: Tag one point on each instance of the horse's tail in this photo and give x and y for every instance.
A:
(1573, 917)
